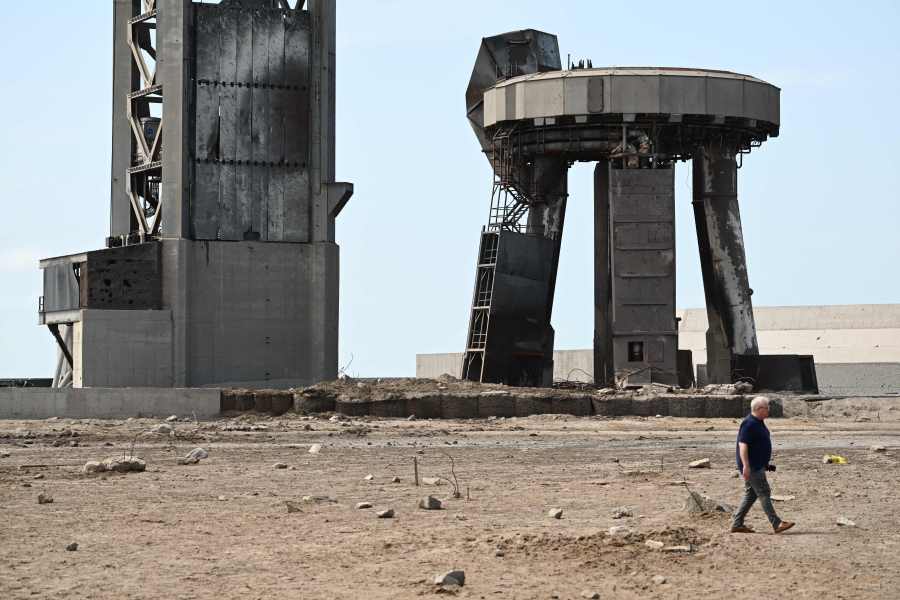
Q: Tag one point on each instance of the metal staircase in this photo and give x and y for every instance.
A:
(508, 212)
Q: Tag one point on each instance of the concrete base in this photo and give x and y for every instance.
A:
(111, 403)
(242, 314)
(113, 348)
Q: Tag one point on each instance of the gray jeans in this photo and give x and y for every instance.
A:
(756, 487)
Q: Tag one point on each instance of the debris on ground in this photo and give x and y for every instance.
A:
(280, 465)
(292, 507)
(654, 545)
(431, 480)
(430, 503)
(845, 522)
(451, 578)
(72, 547)
(834, 459)
(361, 505)
(385, 514)
(171, 418)
(45, 499)
(622, 512)
(117, 464)
(590, 595)
(315, 448)
(163, 429)
(193, 457)
(678, 549)
(395, 480)
(369, 477)
(319, 500)
(659, 579)
(703, 463)
(697, 503)
(619, 531)
(777, 498)
(878, 449)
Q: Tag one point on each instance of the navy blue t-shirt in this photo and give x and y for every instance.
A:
(755, 434)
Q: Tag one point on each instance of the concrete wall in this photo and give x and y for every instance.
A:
(856, 347)
(42, 403)
(123, 347)
(860, 333)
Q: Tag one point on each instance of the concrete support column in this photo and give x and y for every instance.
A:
(125, 79)
(174, 60)
(549, 191)
(723, 261)
(604, 370)
(322, 120)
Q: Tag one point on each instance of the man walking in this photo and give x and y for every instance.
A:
(754, 451)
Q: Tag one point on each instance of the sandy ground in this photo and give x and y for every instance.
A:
(222, 528)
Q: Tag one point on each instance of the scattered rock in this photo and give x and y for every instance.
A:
(431, 480)
(654, 545)
(778, 498)
(45, 498)
(619, 531)
(171, 418)
(4, 454)
(193, 457)
(292, 507)
(385, 514)
(72, 547)
(878, 449)
(280, 465)
(622, 512)
(703, 463)
(315, 448)
(697, 503)
(845, 522)
(92, 466)
(221, 498)
(335, 419)
(163, 428)
(411, 418)
(361, 505)
(430, 503)
(678, 549)
(451, 578)
(499, 553)
(38, 476)
(395, 480)
(319, 500)
(369, 477)
(555, 513)
(124, 464)
(659, 579)
(590, 595)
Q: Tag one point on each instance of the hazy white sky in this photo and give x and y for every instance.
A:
(820, 204)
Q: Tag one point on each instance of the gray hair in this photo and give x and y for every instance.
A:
(758, 402)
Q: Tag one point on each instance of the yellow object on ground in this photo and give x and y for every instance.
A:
(834, 459)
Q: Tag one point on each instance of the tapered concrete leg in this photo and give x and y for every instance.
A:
(604, 371)
(549, 190)
(732, 329)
